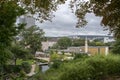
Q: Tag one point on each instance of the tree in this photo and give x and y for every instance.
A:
(78, 42)
(19, 53)
(116, 47)
(64, 42)
(109, 10)
(32, 38)
(43, 8)
(9, 11)
(97, 43)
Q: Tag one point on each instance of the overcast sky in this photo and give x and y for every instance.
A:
(64, 23)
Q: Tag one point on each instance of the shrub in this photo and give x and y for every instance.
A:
(26, 67)
(99, 65)
(80, 55)
(56, 64)
(93, 68)
(78, 73)
(113, 65)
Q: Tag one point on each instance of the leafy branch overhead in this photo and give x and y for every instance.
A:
(109, 10)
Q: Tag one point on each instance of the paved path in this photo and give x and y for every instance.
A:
(44, 58)
(32, 72)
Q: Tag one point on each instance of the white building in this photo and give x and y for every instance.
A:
(46, 45)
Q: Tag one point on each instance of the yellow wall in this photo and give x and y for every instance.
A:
(95, 50)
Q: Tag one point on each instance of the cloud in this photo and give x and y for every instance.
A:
(64, 23)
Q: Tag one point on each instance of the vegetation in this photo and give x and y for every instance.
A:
(78, 42)
(90, 68)
(93, 68)
(9, 11)
(26, 67)
(97, 43)
(19, 53)
(55, 56)
(32, 38)
(64, 42)
(116, 47)
(20, 61)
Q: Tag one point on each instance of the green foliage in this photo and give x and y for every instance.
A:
(94, 68)
(20, 61)
(54, 57)
(11, 69)
(64, 42)
(96, 43)
(37, 76)
(116, 47)
(12, 72)
(56, 64)
(80, 55)
(81, 42)
(91, 68)
(55, 46)
(26, 67)
(78, 42)
(19, 52)
(9, 11)
(31, 38)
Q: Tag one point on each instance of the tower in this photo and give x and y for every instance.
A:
(86, 45)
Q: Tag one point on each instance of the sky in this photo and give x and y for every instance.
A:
(64, 22)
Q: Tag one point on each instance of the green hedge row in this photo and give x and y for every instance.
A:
(92, 68)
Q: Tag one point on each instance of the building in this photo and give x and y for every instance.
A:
(92, 50)
(46, 45)
(103, 38)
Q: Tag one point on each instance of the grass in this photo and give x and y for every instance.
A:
(20, 61)
(37, 69)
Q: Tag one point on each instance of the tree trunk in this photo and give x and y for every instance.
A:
(15, 60)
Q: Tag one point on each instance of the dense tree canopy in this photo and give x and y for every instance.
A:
(9, 11)
(64, 42)
(43, 8)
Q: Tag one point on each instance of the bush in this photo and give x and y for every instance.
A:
(89, 68)
(113, 65)
(56, 64)
(26, 67)
(11, 69)
(80, 55)
(92, 68)
(78, 73)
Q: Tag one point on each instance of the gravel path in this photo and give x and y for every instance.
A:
(32, 72)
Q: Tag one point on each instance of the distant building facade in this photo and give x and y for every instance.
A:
(103, 38)
(92, 50)
(46, 45)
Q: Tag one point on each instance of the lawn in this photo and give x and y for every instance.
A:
(20, 61)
